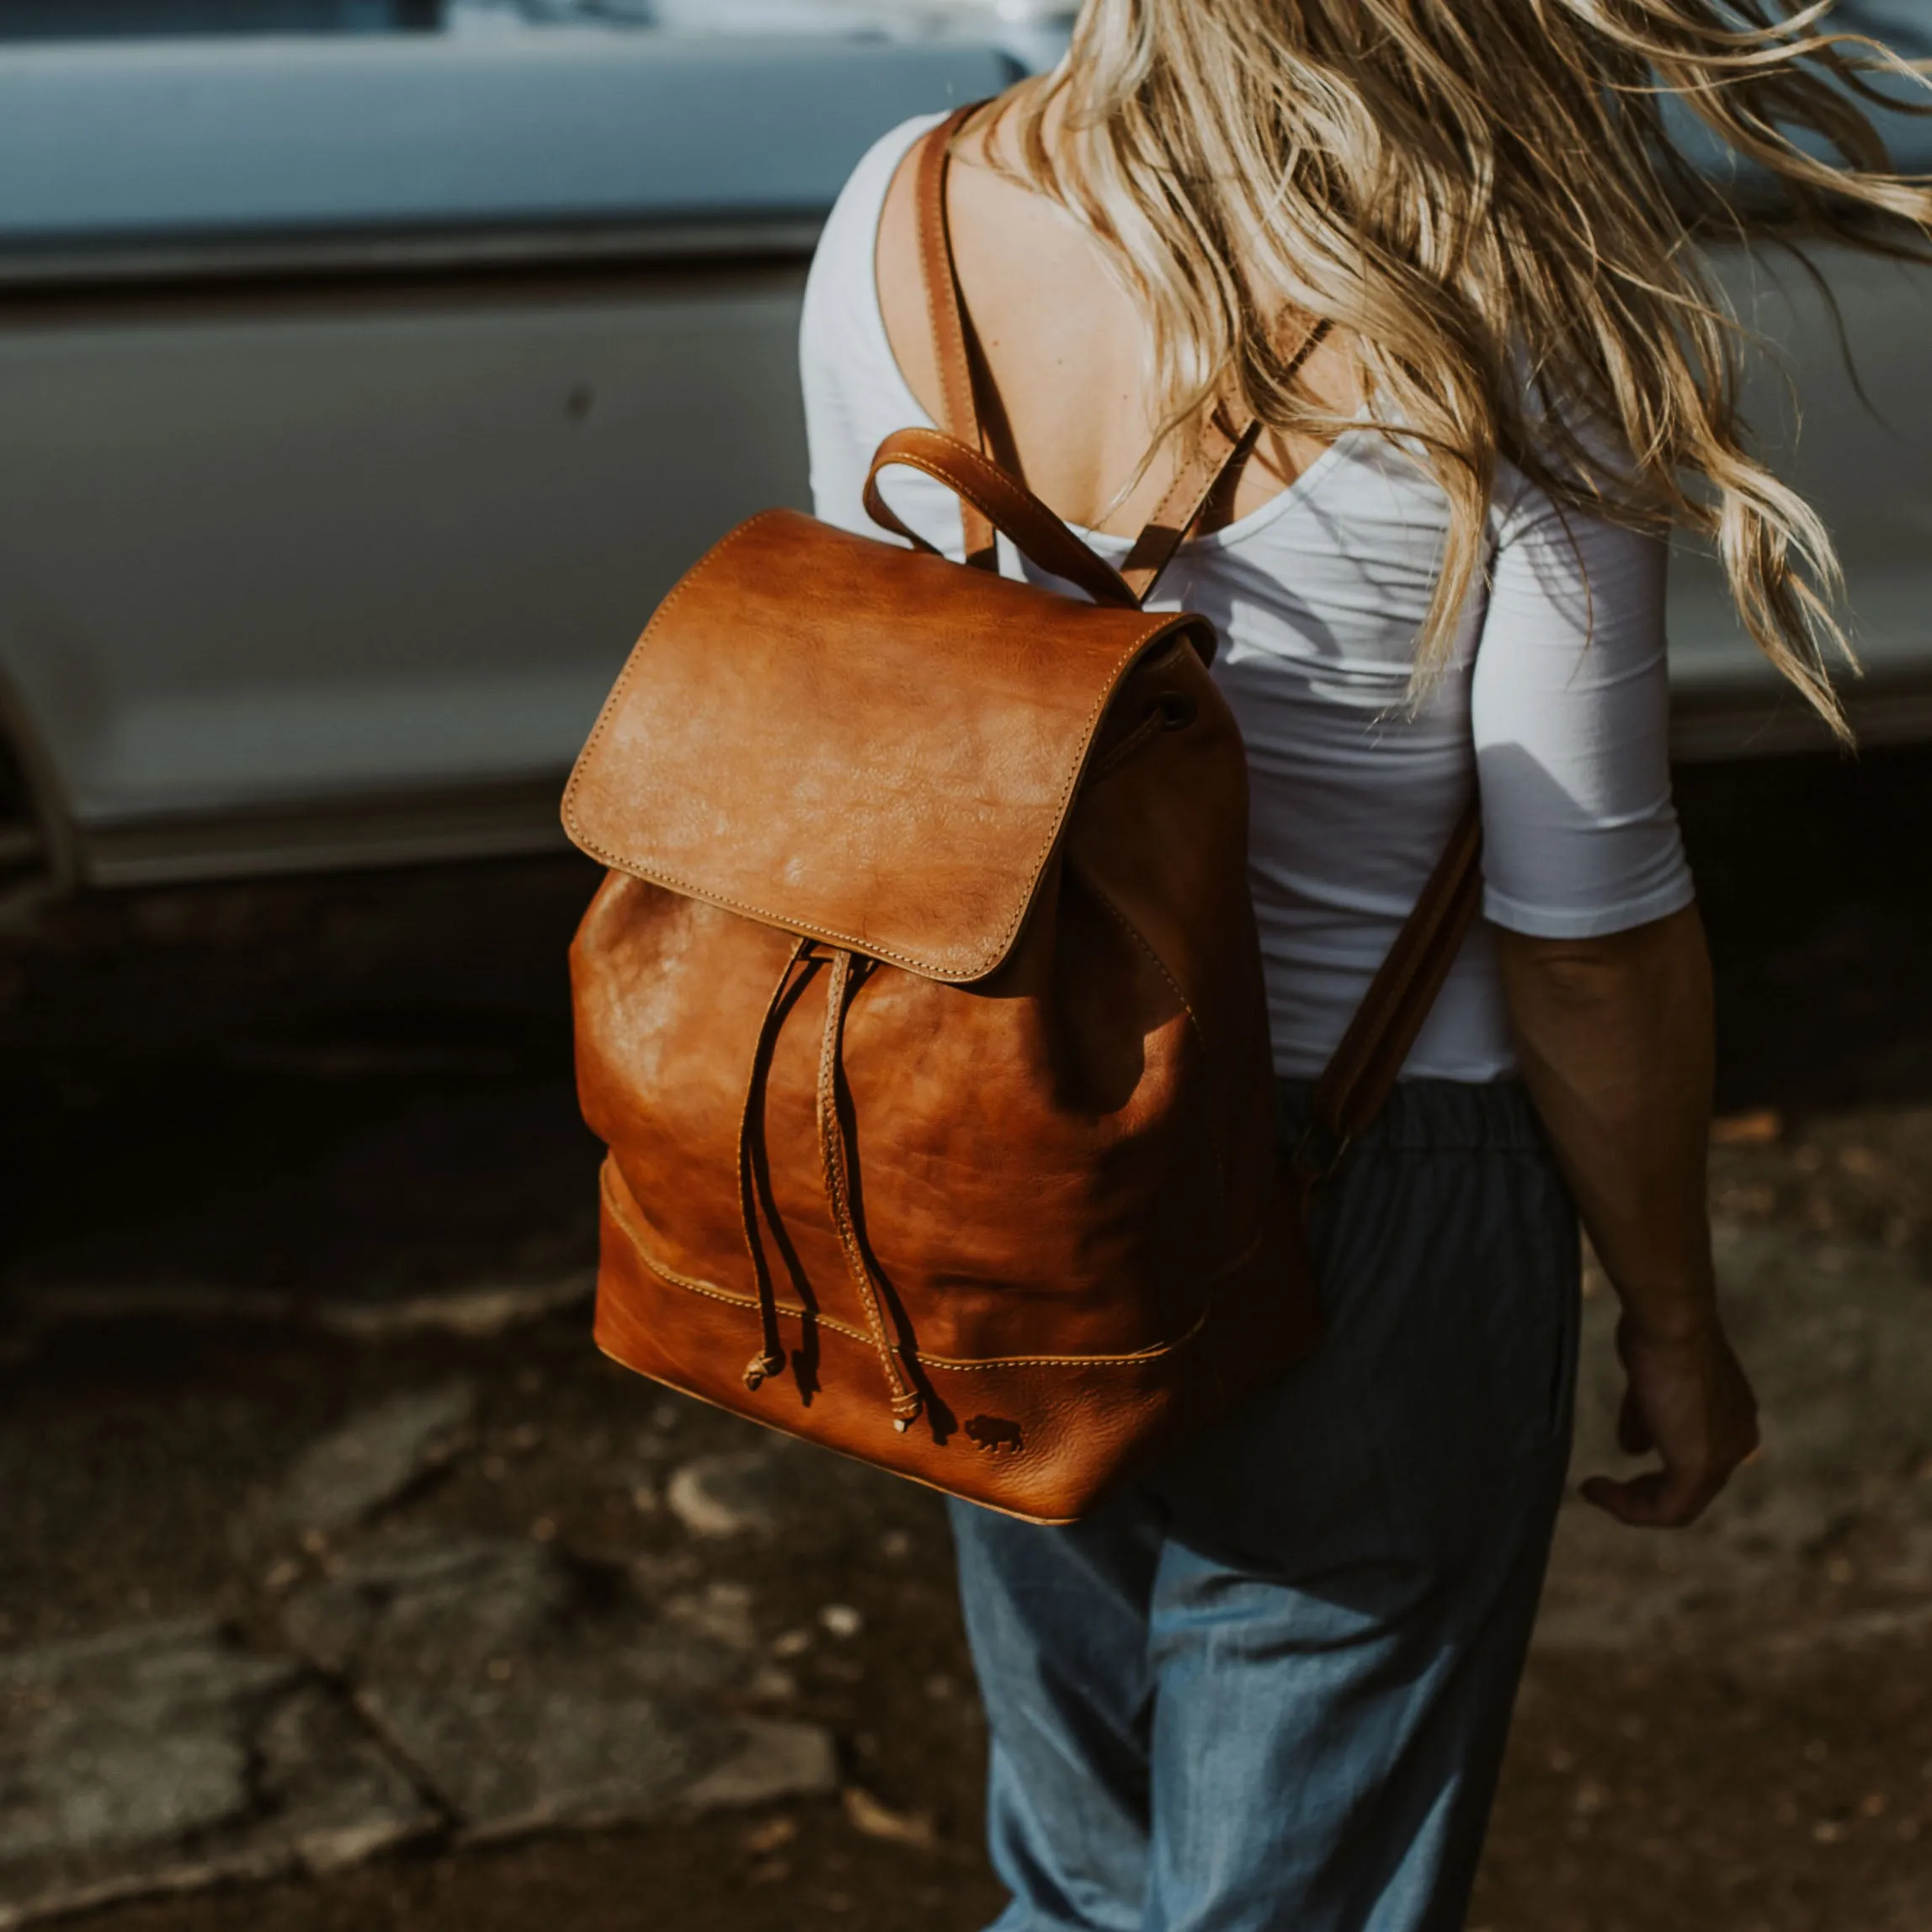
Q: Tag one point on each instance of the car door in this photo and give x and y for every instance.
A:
(362, 394)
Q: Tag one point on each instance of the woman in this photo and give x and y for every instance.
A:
(1269, 1685)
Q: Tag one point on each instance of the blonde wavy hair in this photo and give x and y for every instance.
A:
(1485, 196)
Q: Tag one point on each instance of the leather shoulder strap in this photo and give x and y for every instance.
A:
(1222, 452)
(1363, 1071)
(1360, 1076)
(945, 312)
(1184, 506)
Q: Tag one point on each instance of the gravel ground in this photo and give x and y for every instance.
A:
(257, 1132)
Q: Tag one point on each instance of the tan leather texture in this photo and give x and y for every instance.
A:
(875, 747)
(922, 1011)
(945, 313)
(1020, 1063)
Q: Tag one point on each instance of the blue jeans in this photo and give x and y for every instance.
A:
(1268, 1687)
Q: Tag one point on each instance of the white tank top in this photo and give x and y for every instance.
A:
(1555, 703)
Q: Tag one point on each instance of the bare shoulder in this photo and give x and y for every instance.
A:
(1024, 261)
(1064, 345)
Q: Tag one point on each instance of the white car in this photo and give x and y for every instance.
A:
(361, 393)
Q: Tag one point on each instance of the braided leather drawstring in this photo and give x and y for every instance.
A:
(770, 1359)
(906, 1402)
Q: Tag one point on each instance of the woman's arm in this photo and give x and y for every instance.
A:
(1615, 1036)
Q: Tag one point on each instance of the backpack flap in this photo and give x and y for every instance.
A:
(856, 743)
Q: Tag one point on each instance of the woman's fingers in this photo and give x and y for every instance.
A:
(1664, 1499)
(1687, 1399)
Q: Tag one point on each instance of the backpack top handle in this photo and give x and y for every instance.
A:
(989, 495)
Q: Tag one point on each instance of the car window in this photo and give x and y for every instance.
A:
(1904, 25)
(94, 19)
(141, 19)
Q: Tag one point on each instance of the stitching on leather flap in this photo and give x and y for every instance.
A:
(980, 964)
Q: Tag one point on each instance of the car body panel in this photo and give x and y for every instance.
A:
(1848, 420)
(107, 150)
(362, 397)
(273, 549)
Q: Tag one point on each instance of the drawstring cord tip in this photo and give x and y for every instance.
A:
(758, 1368)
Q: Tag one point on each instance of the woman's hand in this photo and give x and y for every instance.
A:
(1615, 1034)
(1688, 1402)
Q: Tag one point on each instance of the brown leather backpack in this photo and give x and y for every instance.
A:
(921, 1008)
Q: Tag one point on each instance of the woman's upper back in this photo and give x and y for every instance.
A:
(1068, 406)
(1318, 587)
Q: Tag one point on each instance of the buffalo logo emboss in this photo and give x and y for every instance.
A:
(994, 1433)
